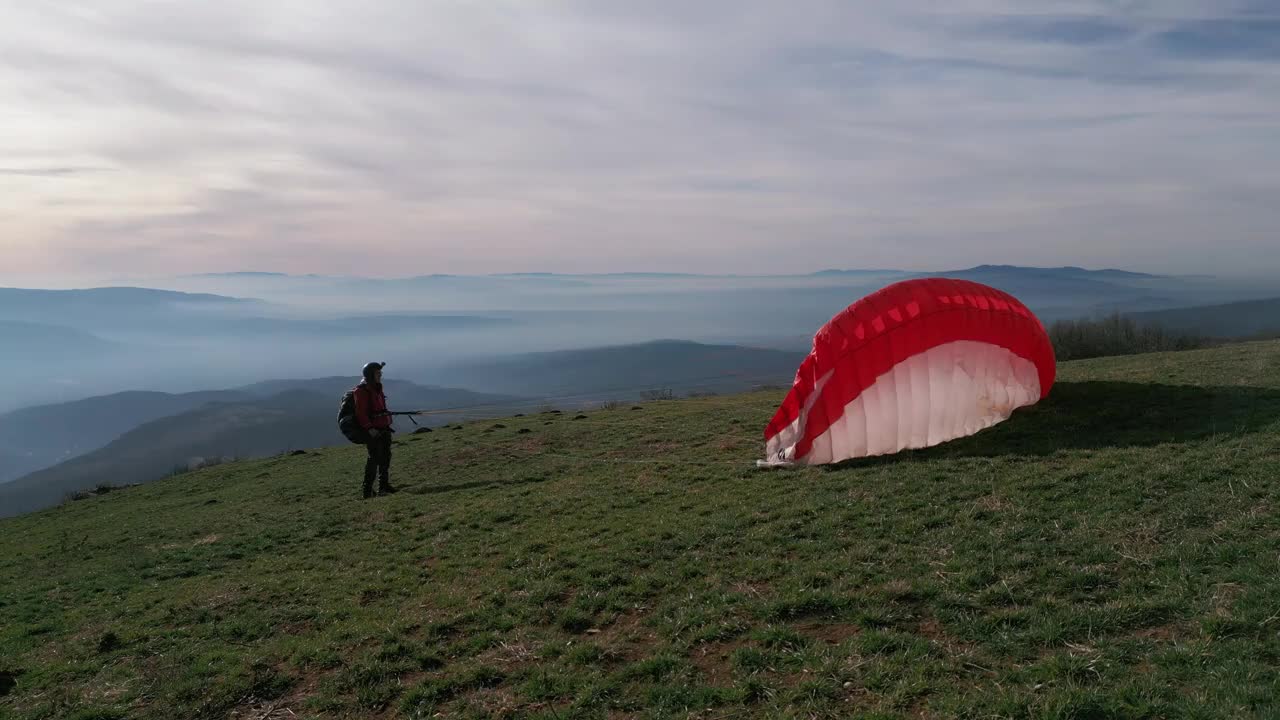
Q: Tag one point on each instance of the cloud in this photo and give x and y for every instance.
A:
(1248, 39)
(1085, 30)
(510, 136)
(50, 171)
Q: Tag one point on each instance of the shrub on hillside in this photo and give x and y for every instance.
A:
(1116, 334)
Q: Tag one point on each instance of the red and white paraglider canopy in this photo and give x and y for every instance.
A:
(914, 364)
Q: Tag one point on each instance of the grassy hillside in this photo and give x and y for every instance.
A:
(1109, 553)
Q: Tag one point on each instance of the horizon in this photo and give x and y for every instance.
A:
(7, 281)
(747, 140)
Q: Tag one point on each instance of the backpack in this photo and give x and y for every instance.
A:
(347, 422)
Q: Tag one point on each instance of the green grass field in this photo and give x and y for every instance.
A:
(1113, 552)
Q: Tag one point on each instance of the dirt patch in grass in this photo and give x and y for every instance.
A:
(263, 710)
(829, 633)
(1224, 598)
(529, 446)
(626, 639)
(752, 590)
(290, 705)
(1160, 633)
(460, 457)
(932, 630)
(714, 661)
(498, 702)
(992, 503)
(510, 656)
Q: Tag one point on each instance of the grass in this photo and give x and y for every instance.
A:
(1110, 553)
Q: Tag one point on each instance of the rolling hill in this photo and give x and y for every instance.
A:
(34, 339)
(63, 328)
(1107, 553)
(150, 451)
(628, 371)
(1252, 318)
(34, 304)
(48, 434)
(1046, 290)
(114, 296)
(42, 345)
(401, 394)
(340, 328)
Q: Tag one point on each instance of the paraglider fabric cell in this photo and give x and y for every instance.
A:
(915, 364)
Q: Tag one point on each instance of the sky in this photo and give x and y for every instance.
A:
(405, 137)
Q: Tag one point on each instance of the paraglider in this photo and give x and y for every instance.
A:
(915, 364)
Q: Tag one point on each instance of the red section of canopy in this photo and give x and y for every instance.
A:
(890, 325)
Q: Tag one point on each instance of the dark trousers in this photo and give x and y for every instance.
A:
(379, 459)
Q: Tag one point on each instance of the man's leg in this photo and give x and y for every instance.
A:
(384, 465)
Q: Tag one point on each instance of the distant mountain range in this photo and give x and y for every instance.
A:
(97, 310)
(1105, 272)
(401, 394)
(72, 316)
(628, 371)
(1250, 318)
(1053, 292)
(1051, 271)
(345, 326)
(24, 299)
(247, 273)
(1033, 285)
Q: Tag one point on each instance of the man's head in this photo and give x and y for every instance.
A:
(373, 371)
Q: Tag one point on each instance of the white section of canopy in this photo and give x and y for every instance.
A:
(947, 392)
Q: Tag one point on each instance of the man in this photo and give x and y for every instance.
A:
(371, 413)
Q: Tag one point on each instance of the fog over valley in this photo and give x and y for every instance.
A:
(218, 331)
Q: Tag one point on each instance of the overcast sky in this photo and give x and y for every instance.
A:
(387, 137)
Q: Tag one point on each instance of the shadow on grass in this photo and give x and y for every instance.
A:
(1104, 414)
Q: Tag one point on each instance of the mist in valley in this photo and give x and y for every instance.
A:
(221, 331)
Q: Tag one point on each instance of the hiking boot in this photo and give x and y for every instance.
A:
(385, 488)
(367, 490)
